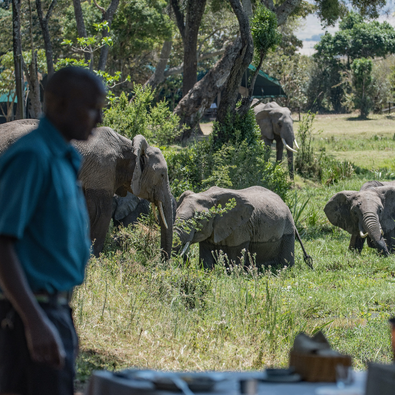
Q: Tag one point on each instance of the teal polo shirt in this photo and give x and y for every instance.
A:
(43, 207)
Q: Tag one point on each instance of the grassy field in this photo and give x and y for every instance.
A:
(134, 311)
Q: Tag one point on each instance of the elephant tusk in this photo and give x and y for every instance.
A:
(363, 235)
(154, 211)
(287, 146)
(162, 214)
(381, 230)
(296, 144)
(184, 250)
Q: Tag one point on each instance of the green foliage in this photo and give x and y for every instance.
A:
(236, 164)
(362, 85)
(151, 25)
(264, 30)
(293, 72)
(235, 129)
(155, 122)
(335, 53)
(322, 168)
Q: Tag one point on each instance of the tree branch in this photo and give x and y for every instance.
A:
(102, 9)
(50, 9)
(284, 10)
(179, 69)
(179, 17)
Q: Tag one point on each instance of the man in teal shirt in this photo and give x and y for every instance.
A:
(44, 239)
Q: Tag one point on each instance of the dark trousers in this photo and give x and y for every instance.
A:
(18, 373)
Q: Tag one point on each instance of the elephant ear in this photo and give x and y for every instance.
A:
(140, 146)
(125, 206)
(183, 196)
(338, 211)
(387, 195)
(228, 223)
(263, 119)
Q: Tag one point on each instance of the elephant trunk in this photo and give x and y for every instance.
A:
(372, 225)
(166, 226)
(290, 157)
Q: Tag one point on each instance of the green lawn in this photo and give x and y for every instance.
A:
(134, 311)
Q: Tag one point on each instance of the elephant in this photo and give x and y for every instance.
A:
(260, 223)
(276, 123)
(368, 212)
(374, 184)
(113, 164)
(128, 209)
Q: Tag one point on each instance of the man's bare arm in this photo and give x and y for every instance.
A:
(42, 337)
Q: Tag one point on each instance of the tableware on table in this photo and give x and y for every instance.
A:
(168, 381)
(281, 376)
(339, 391)
(249, 387)
(344, 376)
(314, 359)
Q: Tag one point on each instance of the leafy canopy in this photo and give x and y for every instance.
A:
(357, 39)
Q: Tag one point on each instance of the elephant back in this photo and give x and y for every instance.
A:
(12, 131)
(271, 218)
(101, 154)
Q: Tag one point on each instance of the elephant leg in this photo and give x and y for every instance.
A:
(286, 256)
(268, 148)
(207, 255)
(290, 157)
(99, 203)
(390, 240)
(279, 149)
(356, 243)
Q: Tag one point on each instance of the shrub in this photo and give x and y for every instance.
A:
(323, 168)
(362, 85)
(155, 122)
(240, 163)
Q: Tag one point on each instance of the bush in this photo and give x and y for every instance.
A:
(240, 163)
(155, 122)
(321, 168)
(362, 85)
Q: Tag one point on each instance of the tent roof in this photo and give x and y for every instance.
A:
(5, 98)
(265, 85)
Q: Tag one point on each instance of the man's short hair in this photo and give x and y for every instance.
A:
(71, 79)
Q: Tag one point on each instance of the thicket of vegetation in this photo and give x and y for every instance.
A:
(133, 309)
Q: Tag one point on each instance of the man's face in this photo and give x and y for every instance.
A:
(83, 114)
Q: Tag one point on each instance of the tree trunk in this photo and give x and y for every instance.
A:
(47, 38)
(159, 76)
(243, 60)
(108, 16)
(34, 88)
(32, 76)
(17, 50)
(194, 14)
(199, 98)
(81, 26)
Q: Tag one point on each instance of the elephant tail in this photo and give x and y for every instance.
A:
(307, 258)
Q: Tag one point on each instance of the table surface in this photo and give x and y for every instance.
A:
(106, 383)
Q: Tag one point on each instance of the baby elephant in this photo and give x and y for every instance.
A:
(369, 213)
(260, 223)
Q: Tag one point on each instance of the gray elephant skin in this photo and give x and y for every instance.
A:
(112, 165)
(365, 214)
(128, 210)
(261, 223)
(276, 124)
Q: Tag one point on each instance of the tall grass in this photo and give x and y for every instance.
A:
(177, 316)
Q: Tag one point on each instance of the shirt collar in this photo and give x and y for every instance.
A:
(57, 144)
